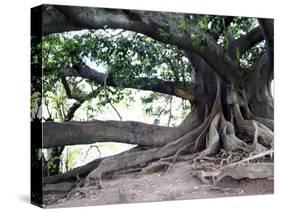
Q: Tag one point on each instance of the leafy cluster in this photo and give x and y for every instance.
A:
(130, 57)
(127, 56)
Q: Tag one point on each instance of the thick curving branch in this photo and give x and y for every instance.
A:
(245, 42)
(152, 84)
(157, 25)
(258, 83)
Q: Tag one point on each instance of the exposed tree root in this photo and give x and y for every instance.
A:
(155, 167)
(234, 161)
(210, 170)
(246, 170)
(73, 174)
(212, 140)
(267, 122)
(226, 190)
(55, 200)
(248, 128)
(187, 157)
(259, 156)
(235, 171)
(82, 171)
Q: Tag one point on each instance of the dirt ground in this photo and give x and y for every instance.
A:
(175, 184)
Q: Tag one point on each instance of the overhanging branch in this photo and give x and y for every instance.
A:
(245, 42)
(143, 83)
(149, 23)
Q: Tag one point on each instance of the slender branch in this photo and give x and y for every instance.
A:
(88, 150)
(170, 111)
(109, 100)
(80, 99)
(68, 92)
(70, 114)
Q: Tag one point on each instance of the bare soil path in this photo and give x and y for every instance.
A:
(175, 184)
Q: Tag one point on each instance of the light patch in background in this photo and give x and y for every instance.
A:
(133, 112)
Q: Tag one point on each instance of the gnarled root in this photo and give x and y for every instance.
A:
(73, 174)
(238, 170)
(213, 139)
(249, 128)
(238, 159)
(246, 170)
(59, 187)
(267, 122)
(156, 167)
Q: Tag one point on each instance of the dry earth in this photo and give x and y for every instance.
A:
(175, 184)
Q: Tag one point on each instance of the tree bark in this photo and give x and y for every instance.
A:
(75, 132)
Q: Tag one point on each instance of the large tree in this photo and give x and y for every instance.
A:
(222, 65)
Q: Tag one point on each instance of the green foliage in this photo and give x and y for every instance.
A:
(53, 164)
(164, 34)
(249, 57)
(240, 26)
(73, 156)
(127, 55)
(198, 40)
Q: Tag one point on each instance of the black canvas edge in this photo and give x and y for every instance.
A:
(36, 195)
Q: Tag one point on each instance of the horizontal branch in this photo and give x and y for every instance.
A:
(130, 132)
(152, 24)
(143, 83)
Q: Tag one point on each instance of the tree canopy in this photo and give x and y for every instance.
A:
(121, 59)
